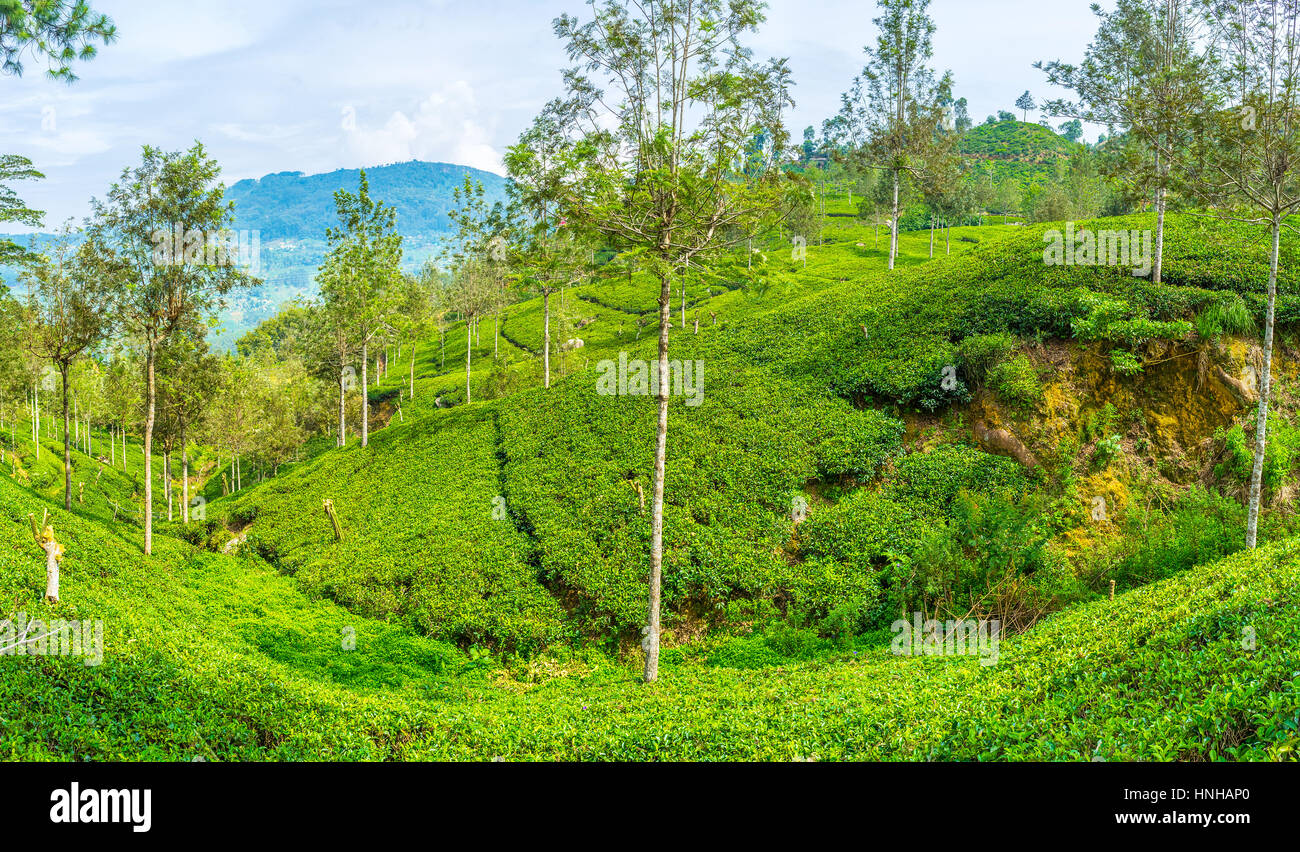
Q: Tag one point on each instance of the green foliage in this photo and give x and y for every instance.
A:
(1125, 362)
(1106, 451)
(1229, 315)
(1016, 381)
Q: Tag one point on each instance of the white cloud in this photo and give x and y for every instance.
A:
(446, 126)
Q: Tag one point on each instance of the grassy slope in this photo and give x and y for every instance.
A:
(208, 655)
(224, 657)
(773, 426)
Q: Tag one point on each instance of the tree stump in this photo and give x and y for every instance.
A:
(45, 540)
(334, 519)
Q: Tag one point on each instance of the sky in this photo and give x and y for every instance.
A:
(317, 85)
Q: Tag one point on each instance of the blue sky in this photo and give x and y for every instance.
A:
(315, 85)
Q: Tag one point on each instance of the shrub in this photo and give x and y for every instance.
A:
(1016, 381)
(1228, 315)
(981, 352)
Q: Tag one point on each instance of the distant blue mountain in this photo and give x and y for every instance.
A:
(291, 210)
(292, 205)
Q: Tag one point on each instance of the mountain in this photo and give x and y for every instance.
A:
(296, 206)
(291, 211)
(1029, 153)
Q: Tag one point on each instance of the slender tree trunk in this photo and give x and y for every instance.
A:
(67, 446)
(469, 353)
(365, 397)
(151, 389)
(185, 479)
(546, 338)
(1265, 382)
(343, 411)
(657, 510)
(1157, 268)
(931, 237)
(893, 226)
(414, 345)
(167, 479)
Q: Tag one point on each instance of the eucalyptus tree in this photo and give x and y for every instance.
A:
(191, 384)
(360, 281)
(665, 102)
(420, 300)
(551, 256)
(1245, 162)
(889, 115)
(68, 312)
(472, 295)
(162, 236)
(1145, 76)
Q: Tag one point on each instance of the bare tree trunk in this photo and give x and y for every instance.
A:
(365, 396)
(414, 345)
(51, 549)
(1157, 269)
(657, 510)
(167, 479)
(893, 226)
(185, 479)
(1265, 383)
(343, 411)
(469, 356)
(67, 452)
(151, 389)
(546, 338)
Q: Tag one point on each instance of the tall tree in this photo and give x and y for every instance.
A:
(471, 295)
(889, 115)
(1249, 147)
(68, 315)
(551, 256)
(162, 287)
(361, 278)
(1025, 103)
(666, 102)
(1144, 75)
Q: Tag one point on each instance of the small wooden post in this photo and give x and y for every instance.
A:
(1112, 590)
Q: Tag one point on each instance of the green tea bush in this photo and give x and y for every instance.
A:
(1016, 381)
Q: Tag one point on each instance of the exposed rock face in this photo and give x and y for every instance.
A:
(575, 343)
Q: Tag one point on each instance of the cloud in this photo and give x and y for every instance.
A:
(446, 126)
